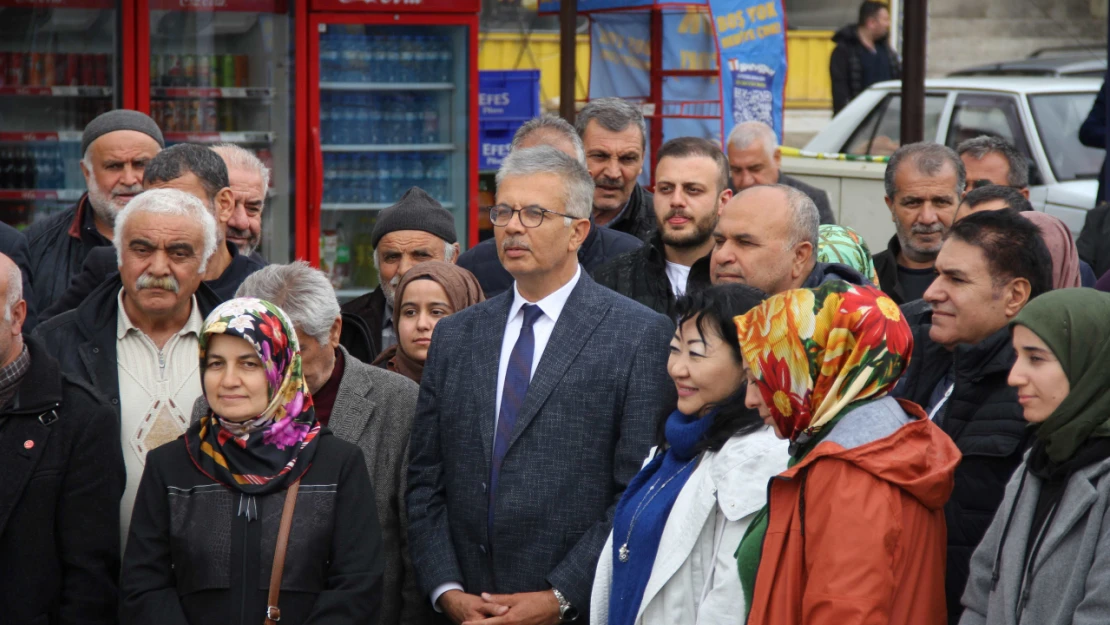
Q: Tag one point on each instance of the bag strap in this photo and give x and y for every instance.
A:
(273, 613)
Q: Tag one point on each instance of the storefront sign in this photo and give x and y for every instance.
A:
(751, 37)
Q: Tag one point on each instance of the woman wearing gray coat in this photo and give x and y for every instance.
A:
(1046, 558)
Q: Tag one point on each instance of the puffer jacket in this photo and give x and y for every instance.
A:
(1070, 578)
(982, 416)
(57, 247)
(638, 218)
(641, 275)
(855, 532)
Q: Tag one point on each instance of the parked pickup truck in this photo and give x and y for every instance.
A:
(1040, 116)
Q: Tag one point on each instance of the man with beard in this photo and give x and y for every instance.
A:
(134, 338)
(614, 135)
(691, 184)
(250, 179)
(116, 146)
(924, 182)
(414, 230)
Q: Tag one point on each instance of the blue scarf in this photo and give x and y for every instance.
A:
(648, 501)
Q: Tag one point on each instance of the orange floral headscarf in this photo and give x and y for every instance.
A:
(813, 352)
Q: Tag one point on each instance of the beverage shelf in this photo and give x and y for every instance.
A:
(220, 137)
(372, 206)
(57, 92)
(387, 86)
(391, 147)
(216, 93)
(73, 136)
(71, 195)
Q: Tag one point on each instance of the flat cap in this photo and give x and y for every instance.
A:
(416, 210)
(120, 119)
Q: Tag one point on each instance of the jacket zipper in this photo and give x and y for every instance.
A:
(1027, 570)
(243, 591)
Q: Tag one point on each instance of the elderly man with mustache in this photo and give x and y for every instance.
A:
(924, 183)
(134, 339)
(414, 230)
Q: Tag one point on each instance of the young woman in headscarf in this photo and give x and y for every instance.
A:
(854, 530)
(1046, 558)
(203, 535)
(841, 244)
(429, 292)
(669, 558)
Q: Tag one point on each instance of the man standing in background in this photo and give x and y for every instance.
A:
(863, 55)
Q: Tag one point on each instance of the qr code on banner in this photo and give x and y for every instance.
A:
(752, 105)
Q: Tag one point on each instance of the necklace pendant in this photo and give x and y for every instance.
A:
(623, 553)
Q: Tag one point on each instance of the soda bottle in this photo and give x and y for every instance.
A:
(342, 267)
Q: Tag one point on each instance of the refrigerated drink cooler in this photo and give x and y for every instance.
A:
(391, 107)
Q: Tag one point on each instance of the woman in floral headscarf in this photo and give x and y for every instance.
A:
(854, 530)
(203, 534)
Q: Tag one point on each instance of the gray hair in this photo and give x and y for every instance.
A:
(236, 156)
(806, 220)
(551, 123)
(983, 145)
(303, 292)
(578, 187)
(930, 159)
(15, 290)
(747, 133)
(169, 202)
(613, 114)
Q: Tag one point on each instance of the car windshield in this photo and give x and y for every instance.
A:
(1058, 117)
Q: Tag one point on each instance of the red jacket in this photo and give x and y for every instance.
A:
(867, 544)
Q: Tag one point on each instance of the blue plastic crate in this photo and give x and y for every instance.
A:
(494, 140)
(511, 94)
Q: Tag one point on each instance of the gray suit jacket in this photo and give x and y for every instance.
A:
(587, 421)
(374, 410)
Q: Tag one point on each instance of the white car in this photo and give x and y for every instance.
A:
(1040, 116)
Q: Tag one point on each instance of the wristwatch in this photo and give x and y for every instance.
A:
(567, 612)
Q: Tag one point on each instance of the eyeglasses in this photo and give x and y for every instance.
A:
(530, 216)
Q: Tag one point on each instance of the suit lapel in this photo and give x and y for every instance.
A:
(579, 319)
(487, 358)
(352, 410)
(18, 461)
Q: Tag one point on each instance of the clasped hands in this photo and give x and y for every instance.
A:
(526, 608)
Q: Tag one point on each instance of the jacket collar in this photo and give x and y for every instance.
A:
(41, 387)
(631, 210)
(353, 408)
(993, 354)
(83, 226)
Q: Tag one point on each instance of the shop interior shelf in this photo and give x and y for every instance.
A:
(57, 92)
(387, 86)
(370, 206)
(68, 195)
(391, 147)
(214, 93)
(256, 138)
(32, 136)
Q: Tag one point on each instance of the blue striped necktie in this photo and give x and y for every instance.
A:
(517, 376)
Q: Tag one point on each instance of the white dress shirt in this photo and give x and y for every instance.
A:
(551, 306)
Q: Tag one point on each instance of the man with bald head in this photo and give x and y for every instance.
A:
(116, 147)
(63, 477)
(766, 237)
(601, 244)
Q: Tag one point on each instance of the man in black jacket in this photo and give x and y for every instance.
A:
(766, 237)
(63, 477)
(200, 172)
(924, 182)
(863, 55)
(601, 244)
(754, 158)
(691, 184)
(992, 263)
(116, 147)
(614, 135)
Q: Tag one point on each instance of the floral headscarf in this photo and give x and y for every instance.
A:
(814, 352)
(841, 244)
(256, 456)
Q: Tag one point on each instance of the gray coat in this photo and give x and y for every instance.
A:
(587, 421)
(374, 410)
(1071, 575)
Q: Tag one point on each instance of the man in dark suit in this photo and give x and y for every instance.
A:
(754, 158)
(513, 477)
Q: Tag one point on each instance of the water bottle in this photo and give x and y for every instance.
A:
(325, 118)
(443, 59)
(438, 179)
(349, 58)
(378, 66)
(362, 120)
(384, 193)
(414, 119)
(398, 178)
(408, 58)
(374, 120)
(416, 172)
(431, 121)
(393, 117)
(329, 57)
(350, 120)
(330, 175)
(369, 182)
(365, 58)
(392, 59)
